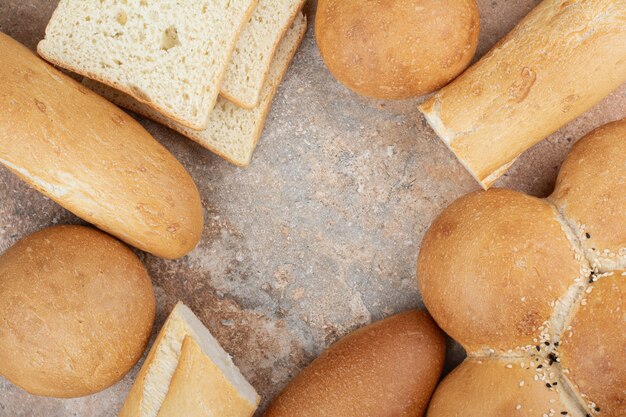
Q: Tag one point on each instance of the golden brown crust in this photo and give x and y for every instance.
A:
(76, 311)
(92, 158)
(590, 192)
(490, 267)
(399, 49)
(498, 388)
(388, 368)
(594, 350)
(559, 61)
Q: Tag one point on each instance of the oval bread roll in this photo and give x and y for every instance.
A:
(92, 158)
(396, 49)
(386, 369)
(76, 311)
(590, 194)
(492, 246)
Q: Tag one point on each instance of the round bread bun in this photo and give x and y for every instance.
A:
(593, 351)
(493, 387)
(396, 49)
(76, 311)
(492, 265)
(387, 369)
(589, 193)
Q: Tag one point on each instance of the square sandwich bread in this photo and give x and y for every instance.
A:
(232, 132)
(171, 55)
(187, 373)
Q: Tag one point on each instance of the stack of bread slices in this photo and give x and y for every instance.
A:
(208, 70)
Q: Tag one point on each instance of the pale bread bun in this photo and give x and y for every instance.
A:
(386, 369)
(593, 350)
(590, 194)
(76, 311)
(490, 267)
(92, 158)
(398, 49)
(511, 387)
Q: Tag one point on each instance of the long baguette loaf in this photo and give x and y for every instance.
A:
(92, 158)
(559, 61)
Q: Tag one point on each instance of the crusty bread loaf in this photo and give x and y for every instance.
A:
(76, 311)
(92, 158)
(589, 193)
(233, 132)
(386, 369)
(512, 278)
(164, 360)
(396, 49)
(254, 53)
(560, 60)
(170, 55)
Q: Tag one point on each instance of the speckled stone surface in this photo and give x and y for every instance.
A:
(318, 236)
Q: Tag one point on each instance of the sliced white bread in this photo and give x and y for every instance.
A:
(233, 132)
(168, 54)
(168, 359)
(255, 50)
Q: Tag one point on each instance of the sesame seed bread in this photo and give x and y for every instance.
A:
(76, 312)
(387, 369)
(233, 132)
(253, 55)
(511, 278)
(168, 364)
(170, 55)
(92, 158)
(560, 60)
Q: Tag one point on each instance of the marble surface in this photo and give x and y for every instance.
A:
(318, 237)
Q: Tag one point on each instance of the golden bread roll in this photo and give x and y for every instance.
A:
(559, 61)
(92, 158)
(76, 311)
(396, 49)
(497, 263)
(386, 369)
(593, 350)
(488, 247)
(501, 387)
(590, 194)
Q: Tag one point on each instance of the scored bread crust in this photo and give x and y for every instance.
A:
(76, 311)
(198, 388)
(92, 158)
(233, 76)
(46, 51)
(560, 60)
(586, 317)
(386, 369)
(211, 138)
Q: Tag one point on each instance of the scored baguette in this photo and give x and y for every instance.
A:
(168, 54)
(558, 62)
(92, 158)
(255, 50)
(168, 361)
(233, 132)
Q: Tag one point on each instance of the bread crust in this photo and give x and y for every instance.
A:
(92, 158)
(559, 61)
(389, 368)
(396, 49)
(76, 311)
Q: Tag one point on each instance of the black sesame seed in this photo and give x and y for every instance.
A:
(548, 385)
(554, 384)
(540, 366)
(556, 343)
(597, 409)
(538, 348)
(587, 235)
(563, 413)
(547, 343)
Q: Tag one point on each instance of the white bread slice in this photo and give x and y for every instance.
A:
(169, 54)
(255, 49)
(199, 389)
(233, 132)
(151, 387)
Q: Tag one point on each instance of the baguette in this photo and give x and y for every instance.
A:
(233, 132)
(92, 158)
(559, 61)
